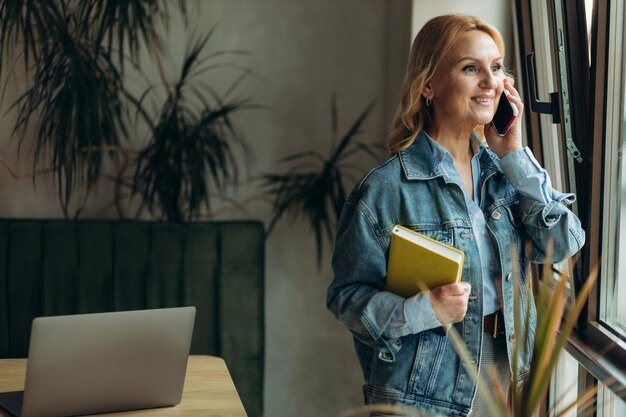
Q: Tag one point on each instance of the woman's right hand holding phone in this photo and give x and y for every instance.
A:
(512, 140)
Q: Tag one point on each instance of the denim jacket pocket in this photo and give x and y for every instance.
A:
(436, 232)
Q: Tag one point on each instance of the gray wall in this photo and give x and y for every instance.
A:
(305, 52)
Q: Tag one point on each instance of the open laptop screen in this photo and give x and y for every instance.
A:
(106, 362)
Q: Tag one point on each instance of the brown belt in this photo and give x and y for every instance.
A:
(493, 324)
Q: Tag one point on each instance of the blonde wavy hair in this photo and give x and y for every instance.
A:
(430, 46)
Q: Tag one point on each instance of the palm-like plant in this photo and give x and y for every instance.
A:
(75, 91)
(192, 146)
(314, 186)
(554, 324)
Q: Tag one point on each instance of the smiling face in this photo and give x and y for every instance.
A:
(467, 85)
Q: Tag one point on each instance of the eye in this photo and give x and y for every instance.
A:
(496, 68)
(470, 69)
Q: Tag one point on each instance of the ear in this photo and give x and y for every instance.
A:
(427, 91)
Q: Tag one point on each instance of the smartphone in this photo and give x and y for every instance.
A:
(505, 115)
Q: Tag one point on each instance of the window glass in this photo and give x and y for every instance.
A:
(613, 283)
(544, 62)
(609, 404)
(588, 18)
(564, 385)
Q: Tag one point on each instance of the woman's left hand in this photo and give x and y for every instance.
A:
(512, 141)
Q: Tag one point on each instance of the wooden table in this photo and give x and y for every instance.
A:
(209, 390)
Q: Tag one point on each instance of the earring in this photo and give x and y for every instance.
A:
(428, 102)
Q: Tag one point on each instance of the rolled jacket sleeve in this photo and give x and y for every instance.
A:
(414, 316)
(530, 179)
(543, 209)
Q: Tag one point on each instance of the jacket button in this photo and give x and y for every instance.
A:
(508, 276)
(495, 215)
(512, 337)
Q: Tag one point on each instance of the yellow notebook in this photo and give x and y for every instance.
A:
(417, 262)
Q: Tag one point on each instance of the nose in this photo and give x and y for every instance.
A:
(489, 80)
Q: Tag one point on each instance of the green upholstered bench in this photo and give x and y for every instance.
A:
(55, 267)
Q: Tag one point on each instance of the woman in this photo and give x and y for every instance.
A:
(442, 180)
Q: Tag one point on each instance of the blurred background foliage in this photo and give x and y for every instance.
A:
(76, 55)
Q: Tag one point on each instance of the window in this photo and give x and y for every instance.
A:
(579, 48)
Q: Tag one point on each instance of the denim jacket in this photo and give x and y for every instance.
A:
(422, 369)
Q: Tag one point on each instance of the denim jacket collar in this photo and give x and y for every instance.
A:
(418, 162)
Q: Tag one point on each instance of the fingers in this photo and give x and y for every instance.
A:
(509, 89)
(459, 288)
(449, 302)
(513, 96)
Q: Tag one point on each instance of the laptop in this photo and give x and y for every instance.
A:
(104, 362)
